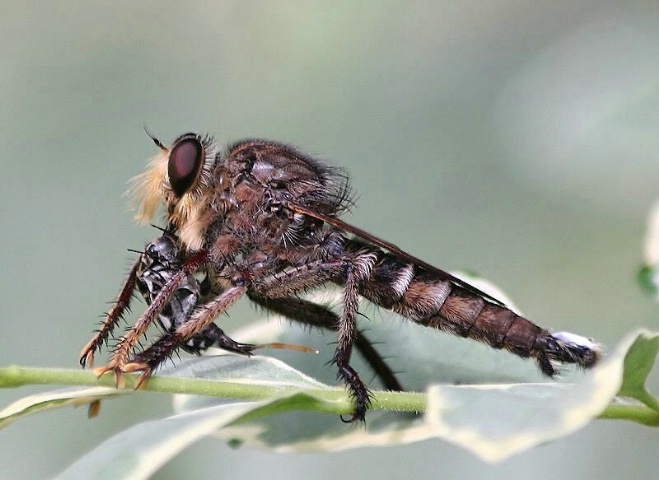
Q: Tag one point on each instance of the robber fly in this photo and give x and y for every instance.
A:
(262, 219)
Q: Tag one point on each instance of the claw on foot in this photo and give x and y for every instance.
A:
(359, 415)
(118, 373)
(87, 356)
(139, 367)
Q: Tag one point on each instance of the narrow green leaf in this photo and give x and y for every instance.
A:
(141, 450)
(53, 399)
(493, 421)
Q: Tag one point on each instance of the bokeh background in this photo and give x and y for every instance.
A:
(516, 139)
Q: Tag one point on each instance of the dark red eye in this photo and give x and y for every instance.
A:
(185, 163)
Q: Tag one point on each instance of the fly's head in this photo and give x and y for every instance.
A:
(180, 177)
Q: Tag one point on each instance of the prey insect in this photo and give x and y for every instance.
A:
(262, 220)
(160, 260)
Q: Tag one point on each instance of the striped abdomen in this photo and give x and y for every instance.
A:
(436, 301)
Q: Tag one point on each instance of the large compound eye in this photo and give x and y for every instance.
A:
(185, 163)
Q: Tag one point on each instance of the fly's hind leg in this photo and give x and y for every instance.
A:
(310, 313)
(351, 271)
(358, 271)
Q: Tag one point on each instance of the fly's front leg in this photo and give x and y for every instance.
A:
(164, 347)
(310, 313)
(113, 316)
(127, 343)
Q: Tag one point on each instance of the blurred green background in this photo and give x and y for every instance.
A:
(516, 139)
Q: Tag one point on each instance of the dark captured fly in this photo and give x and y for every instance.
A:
(159, 262)
(262, 220)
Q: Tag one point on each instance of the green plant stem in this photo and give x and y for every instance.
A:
(635, 413)
(336, 399)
